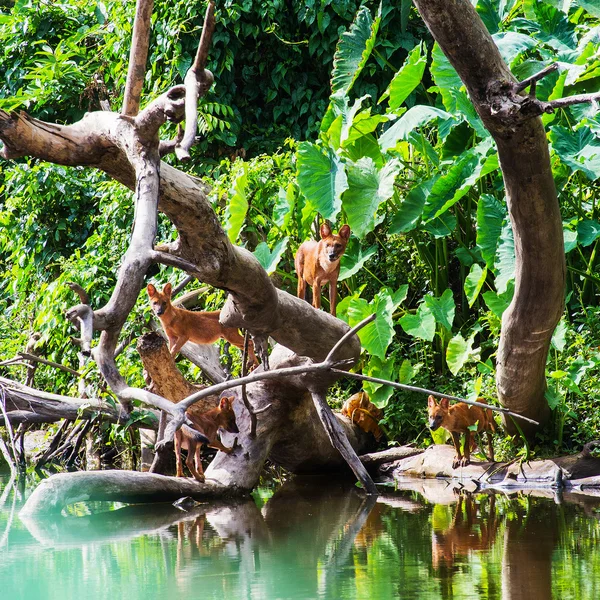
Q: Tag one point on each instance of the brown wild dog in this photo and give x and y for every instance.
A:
(318, 263)
(199, 327)
(206, 426)
(457, 419)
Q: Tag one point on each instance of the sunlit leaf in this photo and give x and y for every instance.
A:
(407, 78)
(322, 178)
(474, 282)
(491, 215)
(368, 187)
(420, 325)
(353, 50)
(354, 258)
(376, 336)
(237, 207)
(505, 259)
(442, 308)
(458, 352)
(379, 394)
(270, 259)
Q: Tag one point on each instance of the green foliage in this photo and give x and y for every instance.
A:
(390, 145)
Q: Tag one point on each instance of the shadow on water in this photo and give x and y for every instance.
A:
(311, 539)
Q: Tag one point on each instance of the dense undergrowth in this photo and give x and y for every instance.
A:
(381, 136)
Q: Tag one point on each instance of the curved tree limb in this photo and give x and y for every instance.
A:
(537, 305)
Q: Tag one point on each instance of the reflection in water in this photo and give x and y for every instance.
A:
(310, 540)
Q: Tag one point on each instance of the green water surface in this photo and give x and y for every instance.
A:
(318, 540)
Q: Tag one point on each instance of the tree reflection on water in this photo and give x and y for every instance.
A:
(310, 539)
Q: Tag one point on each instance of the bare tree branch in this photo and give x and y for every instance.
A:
(197, 82)
(137, 57)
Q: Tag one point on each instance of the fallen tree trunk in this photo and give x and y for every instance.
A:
(28, 405)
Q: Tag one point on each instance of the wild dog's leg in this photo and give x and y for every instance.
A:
(299, 264)
(219, 446)
(177, 445)
(177, 345)
(199, 461)
(316, 294)
(456, 440)
(490, 446)
(192, 447)
(466, 460)
(333, 296)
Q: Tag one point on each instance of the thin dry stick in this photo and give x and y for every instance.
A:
(44, 361)
(535, 78)
(411, 388)
(244, 394)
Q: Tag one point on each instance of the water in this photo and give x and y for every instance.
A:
(309, 541)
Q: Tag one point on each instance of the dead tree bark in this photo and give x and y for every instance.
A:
(512, 119)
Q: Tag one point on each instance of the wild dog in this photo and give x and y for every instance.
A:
(206, 427)
(318, 263)
(200, 327)
(457, 419)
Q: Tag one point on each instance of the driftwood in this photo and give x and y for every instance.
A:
(28, 405)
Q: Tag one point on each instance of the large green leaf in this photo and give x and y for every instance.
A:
(588, 232)
(513, 45)
(354, 258)
(376, 336)
(474, 282)
(579, 149)
(505, 259)
(379, 394)
(460, 178)
(417, 116)
(284, 205)
(420, 325)
(410, 210)
(321, 178)
(368, 187)
(238, 204)
(407, 78)
(498, 303)
(450, 86)
(491, 215)
(458, 352)
(270, 259)
(353, 50)
(442, 308)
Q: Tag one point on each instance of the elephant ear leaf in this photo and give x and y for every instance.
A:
(353, 50)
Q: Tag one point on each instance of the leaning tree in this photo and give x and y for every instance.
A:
(295, 427)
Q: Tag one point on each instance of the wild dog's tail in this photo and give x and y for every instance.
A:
(198, 437)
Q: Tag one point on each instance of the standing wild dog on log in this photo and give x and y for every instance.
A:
(457, 419)
(200, 327)
(318, 263)
(207, 425)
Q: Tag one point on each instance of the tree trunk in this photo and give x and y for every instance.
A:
(536, 308)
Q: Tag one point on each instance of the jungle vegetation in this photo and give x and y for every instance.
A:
(396, 150)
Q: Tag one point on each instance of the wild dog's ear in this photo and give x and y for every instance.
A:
(431, 402)
(325, 230)
(344, 232)
(151, 290)
(168, 289)
(223, 403)
(445, 403)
